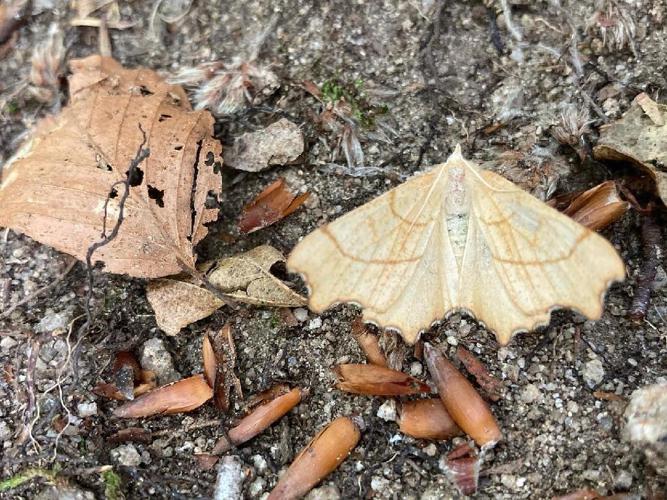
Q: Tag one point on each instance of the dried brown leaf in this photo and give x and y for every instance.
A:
(640, 137)
(318, 459)
(271, 205)
(55, 188)
(245, 277)
(377, 381)
(178, 397)
(177, 303)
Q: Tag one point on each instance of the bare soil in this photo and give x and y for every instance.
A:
(445, 72)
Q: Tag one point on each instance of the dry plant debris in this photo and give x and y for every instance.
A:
(245, 277)
(638, 137)
(219, 354)
(461, 400)
(270, 206)
(369, 343)
(467, 239)
(377, 381)
(278, 144)
(261, 418)
(493, 388)
(60, 186)
(178, 397)
(318, 459)
(462, 468)
(595, 208)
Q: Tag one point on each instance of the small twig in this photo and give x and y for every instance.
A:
(141, 154)
(651, 242)
(40, 291)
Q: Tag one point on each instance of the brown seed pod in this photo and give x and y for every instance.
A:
(318, 459)
(462, 401)
(178, 397)
(259, 420)
(426, 419)
(376, 380)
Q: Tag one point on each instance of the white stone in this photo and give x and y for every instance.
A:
(387, 411)
(229, 484)
(126, 455)
(86, 409)
(315, 323)
(300, 314)
(530, 394)
(593, 373)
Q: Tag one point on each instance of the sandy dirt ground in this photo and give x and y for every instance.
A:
(495, 77)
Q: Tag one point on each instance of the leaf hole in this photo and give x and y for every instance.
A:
(209, 159)
(163, 117)
(157, 195)
(178, 148)
(113, 194)
(135, 177)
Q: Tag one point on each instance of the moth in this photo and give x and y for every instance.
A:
(457, 238)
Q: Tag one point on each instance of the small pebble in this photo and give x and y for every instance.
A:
(126, 455)
(229, 484)
(315, 323)
(300, 314)
(593, 373)
(530, 393)
(387, 411)
(86, 409)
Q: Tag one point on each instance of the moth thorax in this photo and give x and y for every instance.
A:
(456, 198)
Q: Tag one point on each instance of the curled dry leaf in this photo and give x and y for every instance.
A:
(58, 186)
(376, 380)
(260, 419)
(271, 205)
(491, 385)
(640, 137)
(245, 277)
(178, 397)
(318, 459)
(461, 400)
(426, 419)
(595, 208)
(369, 343)
(278, 144)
